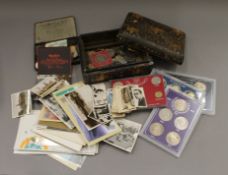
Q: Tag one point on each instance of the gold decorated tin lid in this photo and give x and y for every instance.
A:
(55, 29)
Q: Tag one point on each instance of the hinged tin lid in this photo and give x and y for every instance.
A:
(55, 29)
(161, 41)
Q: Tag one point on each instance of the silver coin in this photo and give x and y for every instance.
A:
(190, 94)
(175, 87)
(157, 129)
(156, 80)
(180, 105)
(173, 138)
(165, 114)
(201, 86)
(181, 123)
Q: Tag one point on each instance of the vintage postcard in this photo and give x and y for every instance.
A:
(21, 103)
(41, 87)
(81, 101)
(50, 102)
(126, 139)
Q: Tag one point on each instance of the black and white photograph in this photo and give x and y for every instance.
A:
(102, 114)
(99, 94)
(126, 139)
(82, 103)
(139, 97)
(21, 103)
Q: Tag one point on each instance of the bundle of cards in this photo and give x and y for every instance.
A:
(170, 127)
(148, 91)
(28, 141)
(78, 101)
(204, 84)
(44, 90)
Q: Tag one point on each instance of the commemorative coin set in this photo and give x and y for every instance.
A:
(68, 120)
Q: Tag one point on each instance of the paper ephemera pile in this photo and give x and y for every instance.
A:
(73, 119)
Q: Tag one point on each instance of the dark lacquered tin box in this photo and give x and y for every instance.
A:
(164, 43)
(103, 57)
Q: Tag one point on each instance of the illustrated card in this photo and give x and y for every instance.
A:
(50, 102)
(26, 140)
(152, 85)
(204, 84)
(170, 127)
(47, 115)
(21, 103)
(126, 139)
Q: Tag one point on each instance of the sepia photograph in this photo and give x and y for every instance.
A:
(21, 103)
(83, 105)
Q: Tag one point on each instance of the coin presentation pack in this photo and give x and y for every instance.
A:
(68, 120)
(205, 84)
(152, 86)
(171, 127)
(179, 85)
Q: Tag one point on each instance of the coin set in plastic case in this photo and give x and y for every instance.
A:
(181, 86)
(207, 85)
(170, 127)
